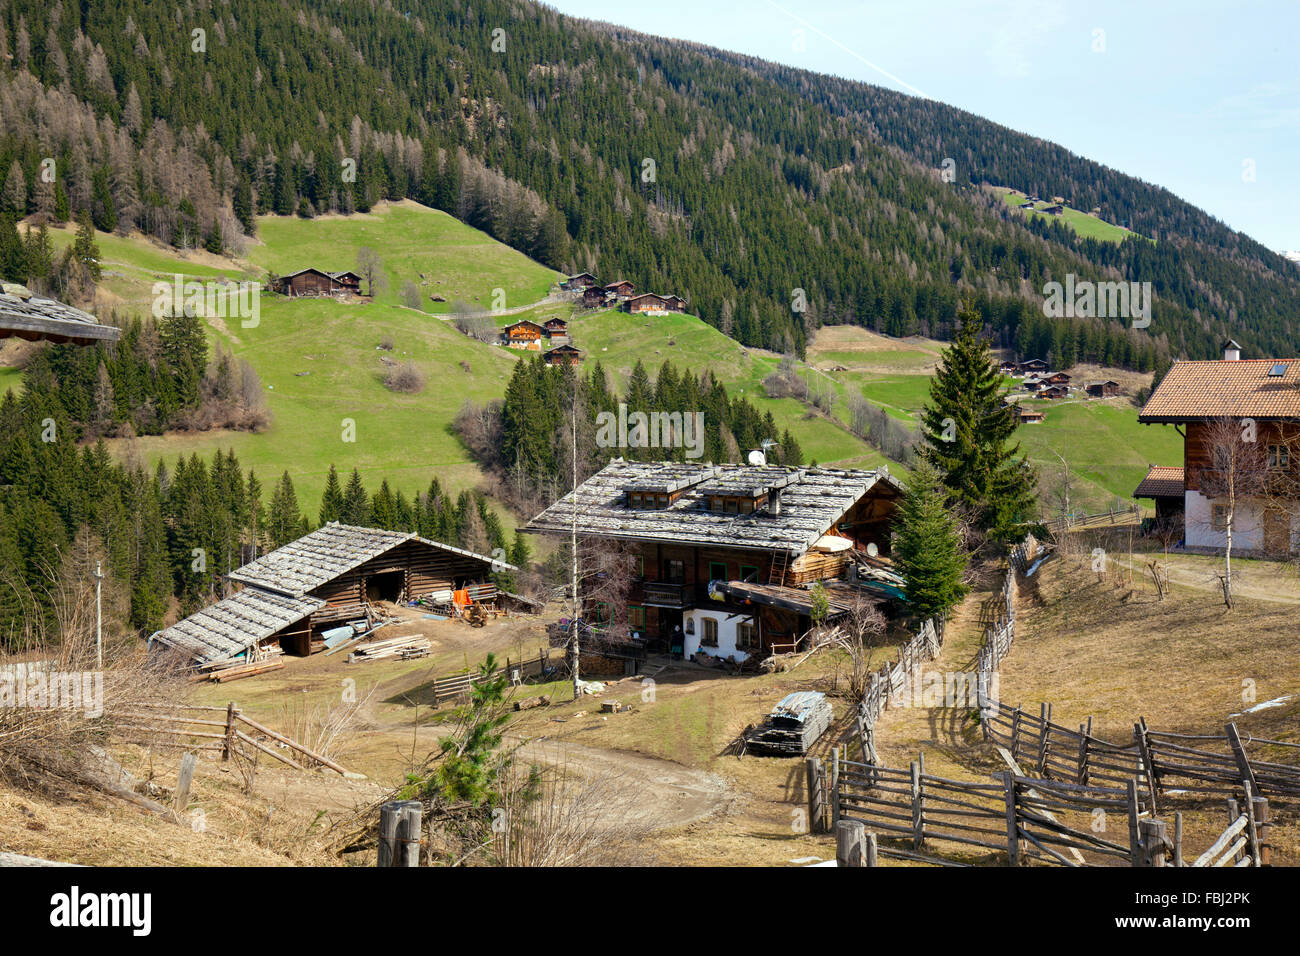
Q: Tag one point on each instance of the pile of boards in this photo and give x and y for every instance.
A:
(793, 726)
(236, 668)
(402, 648)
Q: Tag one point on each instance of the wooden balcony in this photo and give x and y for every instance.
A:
(662, 594)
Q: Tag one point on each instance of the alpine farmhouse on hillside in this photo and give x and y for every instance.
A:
(724, 554)
(1195, 396)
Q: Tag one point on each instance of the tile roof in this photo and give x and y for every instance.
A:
(809, 506)
(1162, 481)
(30, 316)
(1194, 391)
(323, 555)
(230, 627)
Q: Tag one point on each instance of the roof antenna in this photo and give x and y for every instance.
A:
(759, 458)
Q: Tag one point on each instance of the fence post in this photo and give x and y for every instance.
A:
(1081, 776)
(408, 833)
(835, 786)
(390, 817)
(228, 745)
(850, 840)
(1144, 748)
(1248, 806)
(814, 767)
(1015, 735)
(1239, 752)
(1233, 814)
(1262, 827)
(1152, 837)
(181, 799)
(1013, 826)
(1044, 719)
(1134, 835)
(1178, 839)
(918, 802)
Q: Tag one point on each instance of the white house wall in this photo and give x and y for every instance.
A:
(728, 625)
(1247, 525)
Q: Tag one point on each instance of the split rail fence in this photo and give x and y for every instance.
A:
(458, 685)
(230, 734)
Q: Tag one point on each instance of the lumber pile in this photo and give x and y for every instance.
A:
(403, 648)
(240, 671)
(793, 726)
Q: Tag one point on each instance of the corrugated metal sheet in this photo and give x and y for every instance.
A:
(230, 627)
(799, 705)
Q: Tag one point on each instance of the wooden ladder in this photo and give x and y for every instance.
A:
(775, 575)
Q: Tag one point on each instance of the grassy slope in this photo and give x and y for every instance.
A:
(1085, 224)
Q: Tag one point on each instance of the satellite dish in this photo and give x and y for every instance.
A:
(757, 458)
(872, 550)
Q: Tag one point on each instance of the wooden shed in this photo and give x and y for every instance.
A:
(335, 574)
(1105, 389)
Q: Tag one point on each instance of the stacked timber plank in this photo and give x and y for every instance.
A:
(794, 725)
(402, 648)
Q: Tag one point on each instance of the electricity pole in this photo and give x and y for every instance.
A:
(99, 620)
(573, 546)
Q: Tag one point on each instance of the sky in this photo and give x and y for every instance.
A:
(1201, 98)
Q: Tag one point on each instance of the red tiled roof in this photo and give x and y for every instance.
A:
(1162, 481)
(1194, 391)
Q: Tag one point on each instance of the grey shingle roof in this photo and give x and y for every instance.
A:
(33, 317)
(323, 555)
(230, 627)
(809, 506)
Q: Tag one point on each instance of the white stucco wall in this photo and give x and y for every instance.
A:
(727, 626)
(1247, 525)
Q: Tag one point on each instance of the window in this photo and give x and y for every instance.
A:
(634, 500)
(663, 501)
(746, 507)
(715, 504)
(749, 573)
(1219, 517)
(708, 632)
(636, 618)
(674, 572)
(1279, 456)
(602, 612)
(638, 566)
(732, 506)
(717, 570)
(746, 635)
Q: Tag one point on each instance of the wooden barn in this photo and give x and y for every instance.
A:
(675, 303)
(524, 334)
(314, 282)
(583, 280)
(333, 575)
(1057, 378)
(594, 298)
(647, 303)
(556, 328)
(1051, 392)
(562, 355)
(1032, 365)
(1107, 389)
(725, 555)
(622, 288)
(27, 316)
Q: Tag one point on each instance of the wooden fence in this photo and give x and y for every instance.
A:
(1163, 763)
(229, 735)
(1021, 819)
(458, 685)
(1110, 518)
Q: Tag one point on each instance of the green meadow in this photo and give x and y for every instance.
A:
(1085, 224)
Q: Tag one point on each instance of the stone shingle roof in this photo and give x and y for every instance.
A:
(811, 503)
(1194, 391)
(1162, 481)
(323, 555)
(32, 317)
(230, 627)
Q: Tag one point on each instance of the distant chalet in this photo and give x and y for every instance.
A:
(330, 576)
(583, 280)
(34, 318)
(725, 554)
(1194, 397)
(314, 282)
(562, 355)
(1106, 389)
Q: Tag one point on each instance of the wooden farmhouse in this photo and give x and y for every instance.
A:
(1107, 389)
(647, 303)
(523, 334)
(1163, 484)
(314, 282)
(325, 578)
(1032, 365)
(1051, 392)
(34, 318)
(674, 303)
(724, 556)
(562, 355)
(1240, 419)
(1025, 416)
(595, 298)
(583, 280)
(556, 328)
(1057, 378)
(622, 288)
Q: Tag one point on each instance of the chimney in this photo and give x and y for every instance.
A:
(774, 501)
(1231, 351)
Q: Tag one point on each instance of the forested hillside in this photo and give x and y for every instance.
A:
(749, 188)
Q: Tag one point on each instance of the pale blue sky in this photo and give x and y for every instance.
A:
(1181, 94)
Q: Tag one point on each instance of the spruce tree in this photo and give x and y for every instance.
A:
(356, 505)
(331, 502)
(967, 431)
(284, 522)
(927, 546)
